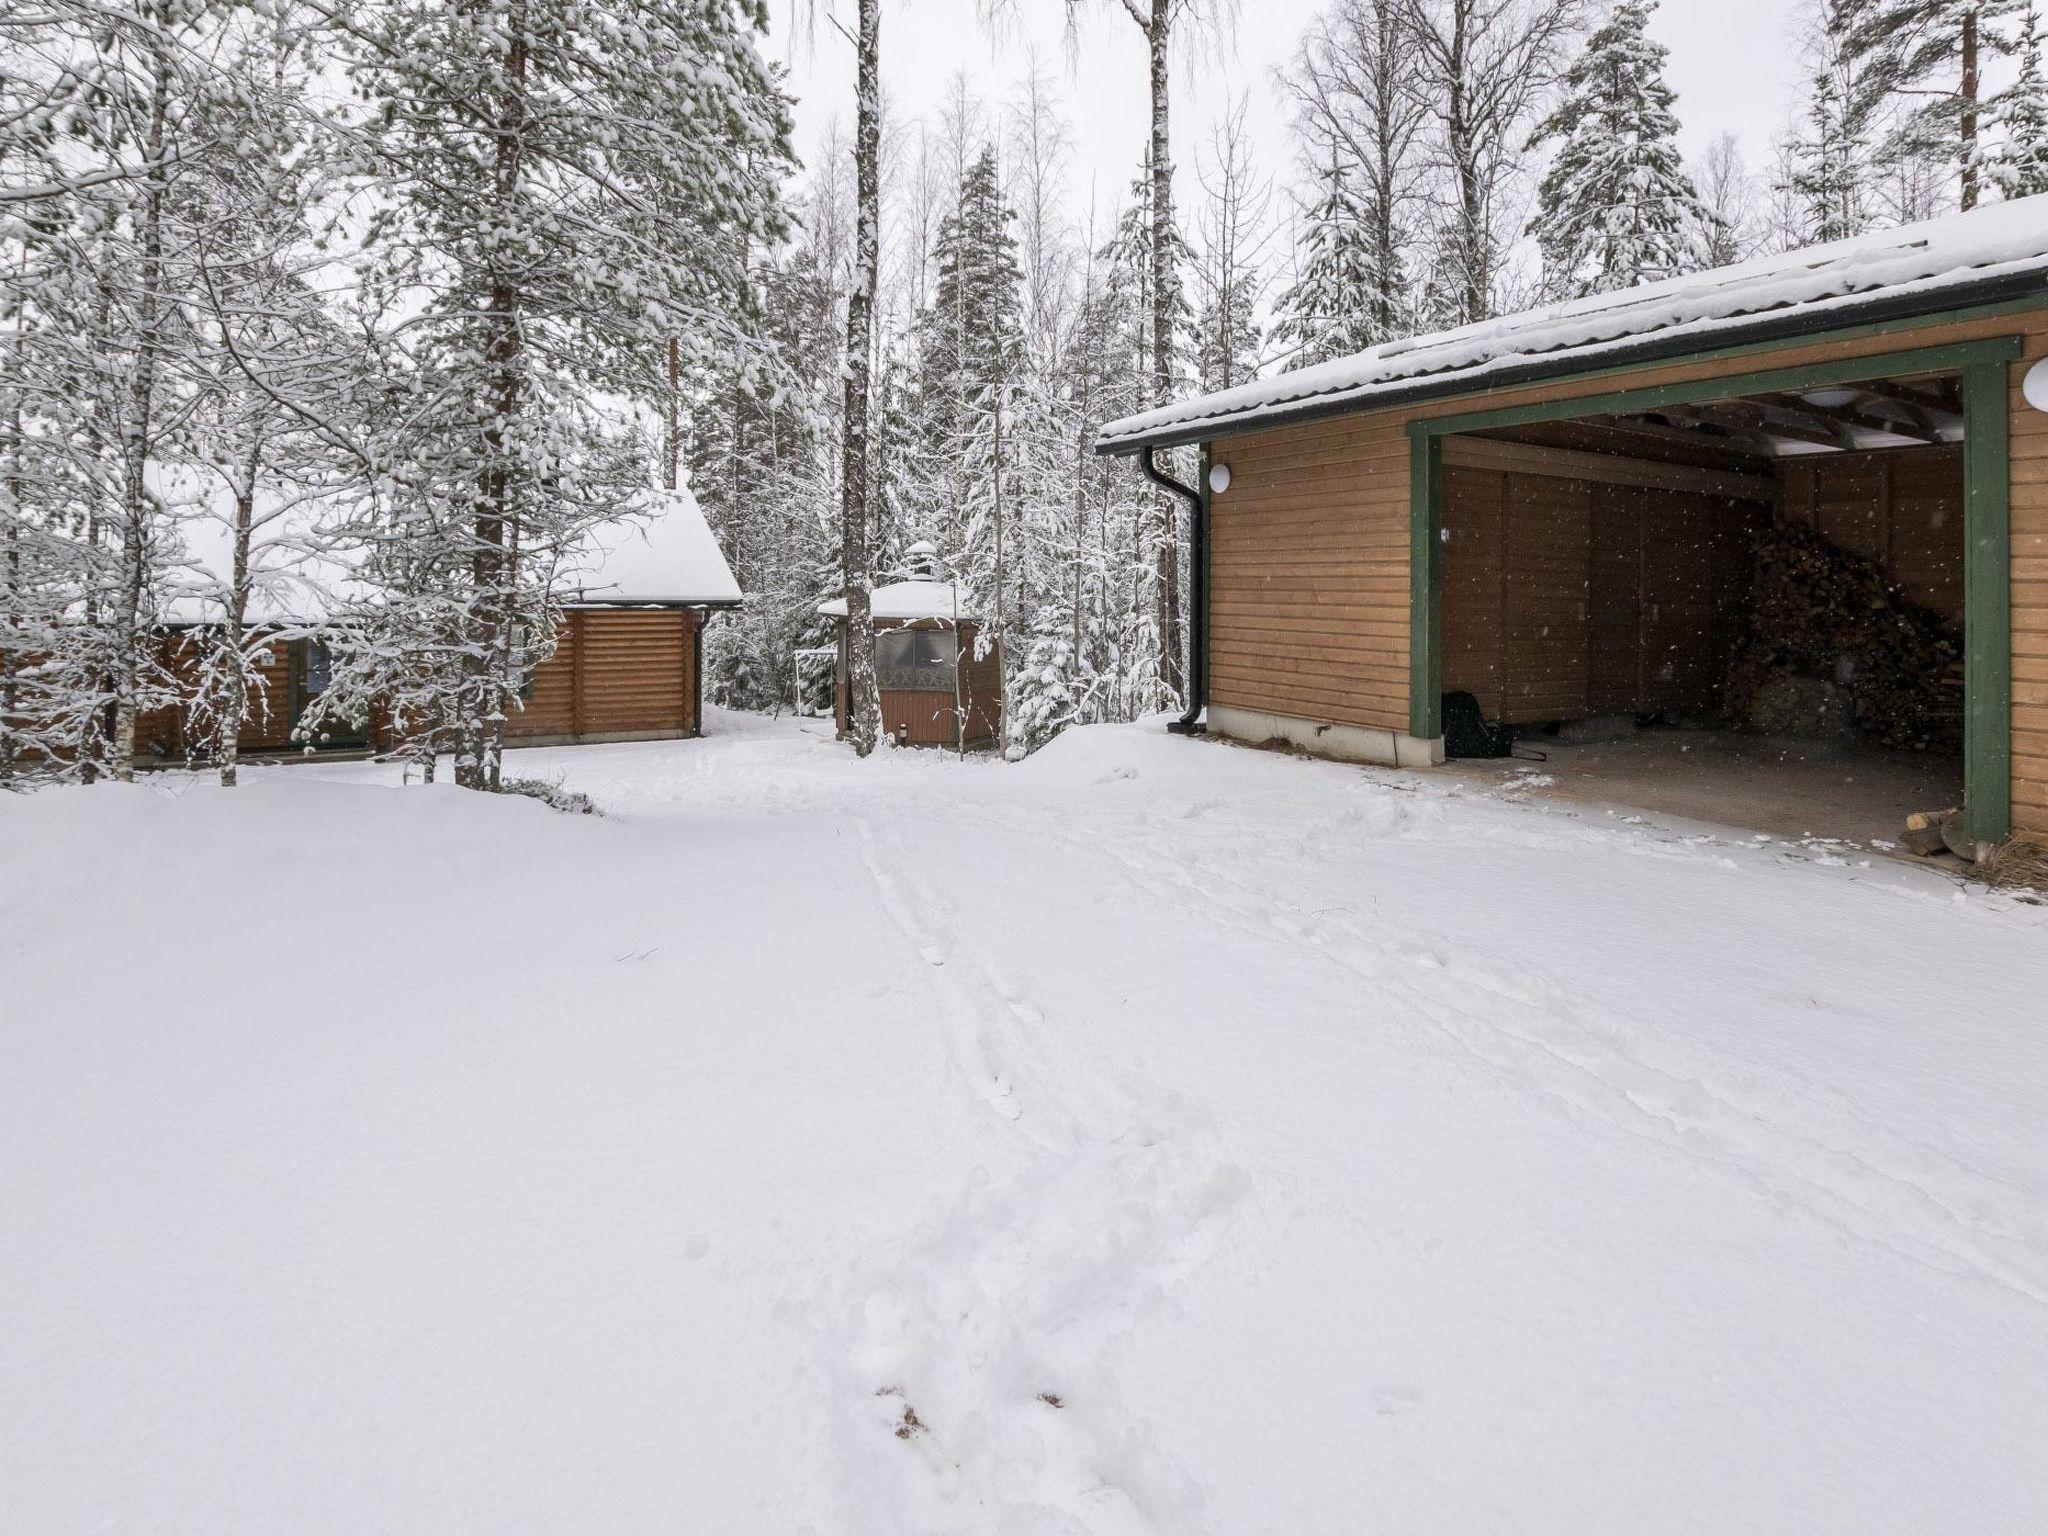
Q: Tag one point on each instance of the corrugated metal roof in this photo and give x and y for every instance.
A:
(1917, 268)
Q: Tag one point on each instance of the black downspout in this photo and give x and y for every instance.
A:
(1198, 596)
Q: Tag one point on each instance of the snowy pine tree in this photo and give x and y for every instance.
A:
(2019, 164)
(1919, 68)
(970, 355)
(1329, 310)
(1826, 173)
(1616, 203)
(1358, 120)
(554, 252)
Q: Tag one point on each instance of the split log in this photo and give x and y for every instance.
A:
(1924, 832)
(1820, 611)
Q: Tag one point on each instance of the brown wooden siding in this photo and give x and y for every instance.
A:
(1565, 599)
(169, 732)
(1309, 567)
(1308, 573)
(615, 674)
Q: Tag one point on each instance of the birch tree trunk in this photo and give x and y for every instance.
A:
(234, 703)
(481, 733)
(1158, 36)
(864, 703)
(1461, 140)
(1002, 608)
(126, 619)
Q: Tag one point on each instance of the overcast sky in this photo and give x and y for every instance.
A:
(1732, 63)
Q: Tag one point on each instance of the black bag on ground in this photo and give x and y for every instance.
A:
(1467, 732)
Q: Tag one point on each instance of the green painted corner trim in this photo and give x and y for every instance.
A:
(1425, 586)
(1985, 370)
(1987, 601)
(1954, 356)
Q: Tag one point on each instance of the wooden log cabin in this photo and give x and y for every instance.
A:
(935, 691)
(626, 664)
(1582, 511)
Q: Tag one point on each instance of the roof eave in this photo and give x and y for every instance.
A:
(654, 602)
(1798, 323)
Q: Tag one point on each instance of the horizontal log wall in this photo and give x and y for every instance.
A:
(2030, 595)
(615, 675)
(1566, 598)
(171, 732)
(1309, 548)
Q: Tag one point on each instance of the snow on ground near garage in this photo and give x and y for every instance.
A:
(1153, 1137)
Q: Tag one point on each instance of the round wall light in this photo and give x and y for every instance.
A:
(1219, 476)
(2035, 385)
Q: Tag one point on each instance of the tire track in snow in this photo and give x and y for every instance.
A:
(1814, 1151)
(973, 1371)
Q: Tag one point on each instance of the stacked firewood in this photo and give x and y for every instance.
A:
(1820, 611)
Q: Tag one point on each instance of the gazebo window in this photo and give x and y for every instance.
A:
(915, 660)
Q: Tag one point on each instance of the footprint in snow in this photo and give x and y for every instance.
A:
(1002, 1100)
(1388, 1401)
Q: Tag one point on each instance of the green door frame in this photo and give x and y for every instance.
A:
(1984, 368)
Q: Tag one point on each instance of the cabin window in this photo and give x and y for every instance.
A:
(915, 660)
(316, 669)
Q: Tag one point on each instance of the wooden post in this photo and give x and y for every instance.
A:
(1987, 600)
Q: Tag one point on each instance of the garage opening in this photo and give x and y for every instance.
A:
(1747, 611)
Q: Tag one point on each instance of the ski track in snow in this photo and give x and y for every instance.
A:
(978, 1391)
(1800, 1144)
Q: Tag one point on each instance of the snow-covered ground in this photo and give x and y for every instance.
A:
(1155, 1137)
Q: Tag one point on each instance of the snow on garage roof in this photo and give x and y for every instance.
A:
(1991, 254)
(903, 600)
(666, 555)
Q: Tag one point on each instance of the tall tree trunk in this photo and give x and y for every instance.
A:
(1970, 104)
(10, 569)
(1158, 35)
(234, 704)
(672, 427)
(10, 578)
(1474, 278)
(480, 734)
(865, 704)
(1002, 600)
(127, 616)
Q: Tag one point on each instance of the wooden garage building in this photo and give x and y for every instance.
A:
(1559, 512)
(628, 659)
(626, 664)
(935, 691)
